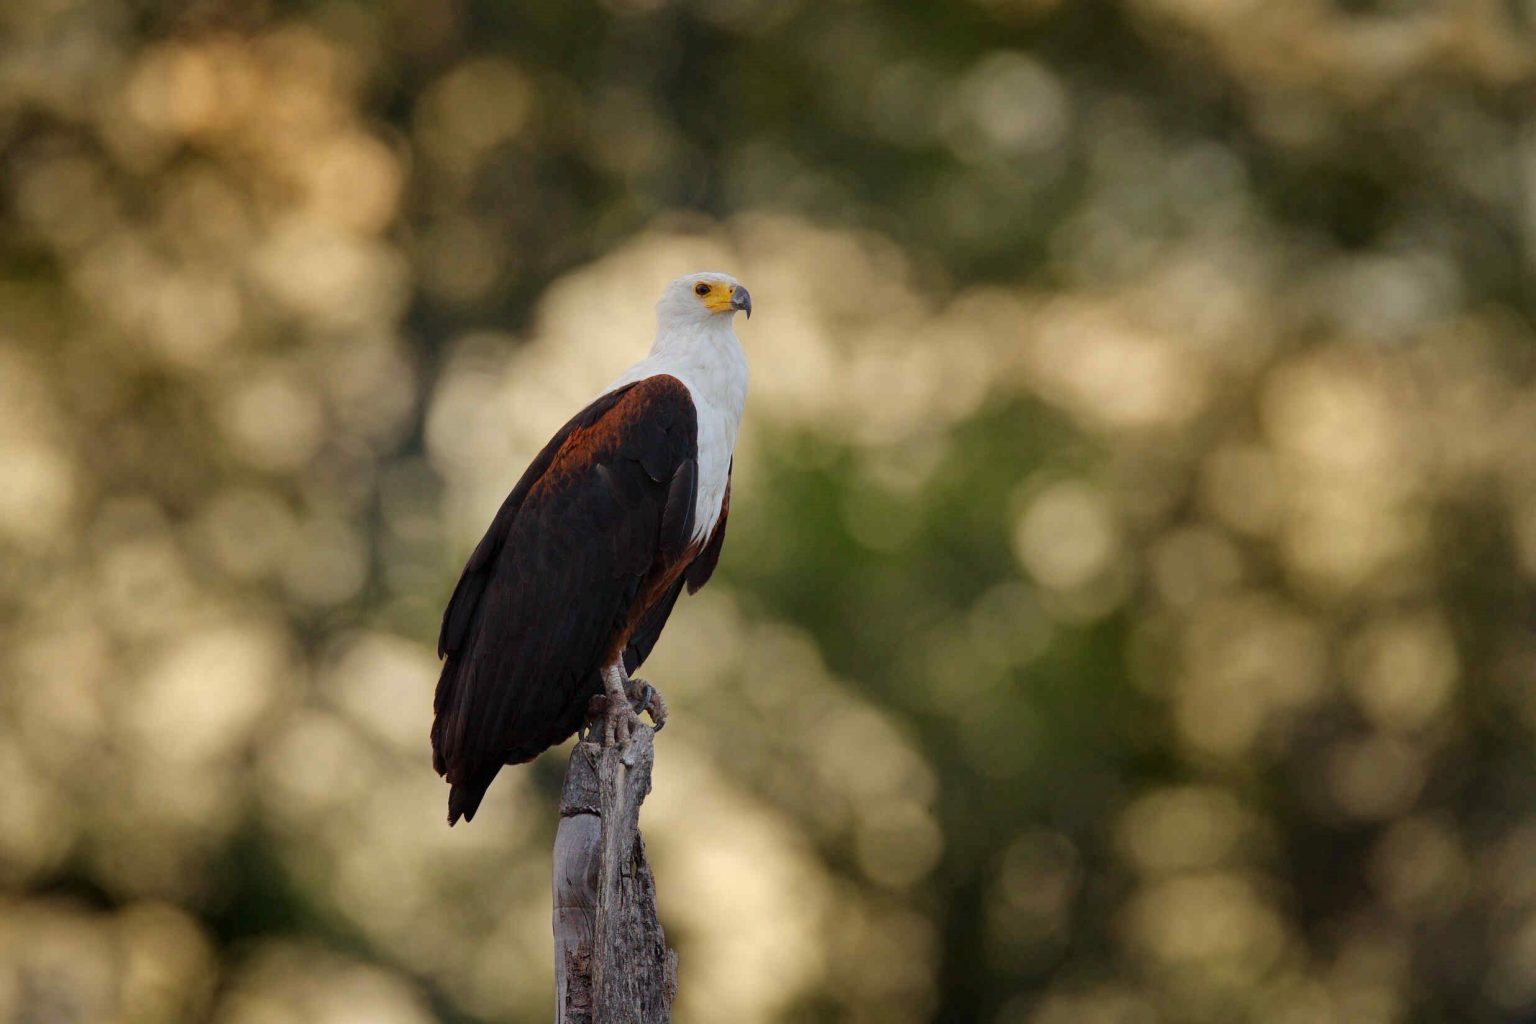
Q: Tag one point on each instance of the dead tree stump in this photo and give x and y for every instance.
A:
(612, 964)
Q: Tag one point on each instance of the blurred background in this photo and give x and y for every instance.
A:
(1127, 614)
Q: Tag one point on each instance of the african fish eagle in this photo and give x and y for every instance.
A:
(570, 587)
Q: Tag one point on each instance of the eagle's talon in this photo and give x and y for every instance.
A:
(640, 692)
(648, 700)
(658, 709)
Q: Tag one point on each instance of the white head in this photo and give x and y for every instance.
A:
(701, 298)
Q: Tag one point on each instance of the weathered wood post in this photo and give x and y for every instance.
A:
(612, 964)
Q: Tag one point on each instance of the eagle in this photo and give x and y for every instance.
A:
(569, 589)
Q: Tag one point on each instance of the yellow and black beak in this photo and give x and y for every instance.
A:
(742, 299)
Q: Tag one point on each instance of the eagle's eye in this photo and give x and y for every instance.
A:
(701, 289)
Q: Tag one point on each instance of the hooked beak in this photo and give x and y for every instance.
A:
(742, 299)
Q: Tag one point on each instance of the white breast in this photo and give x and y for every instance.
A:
(718, 423)
(710, 363)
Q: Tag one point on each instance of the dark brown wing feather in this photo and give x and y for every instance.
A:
(466, 594)
(556, 577)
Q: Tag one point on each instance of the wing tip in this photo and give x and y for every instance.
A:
(463, 802)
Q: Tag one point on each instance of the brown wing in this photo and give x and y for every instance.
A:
(556, 577)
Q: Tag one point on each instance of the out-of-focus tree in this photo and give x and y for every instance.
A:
(1127, 610)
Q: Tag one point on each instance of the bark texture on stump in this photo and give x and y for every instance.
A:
(612, 964)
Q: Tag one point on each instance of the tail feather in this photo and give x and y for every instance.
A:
(464, 800)
(447, 744)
